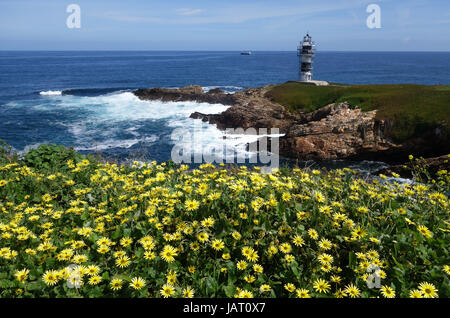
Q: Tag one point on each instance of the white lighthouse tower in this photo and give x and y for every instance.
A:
(306, 52)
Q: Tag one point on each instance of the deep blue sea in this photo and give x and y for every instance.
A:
(83, 99)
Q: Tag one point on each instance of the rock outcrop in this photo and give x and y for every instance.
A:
(251, 109)
(188, 93)
(336, 131)
(433, 165)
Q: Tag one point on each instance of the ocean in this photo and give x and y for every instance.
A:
(83, 99)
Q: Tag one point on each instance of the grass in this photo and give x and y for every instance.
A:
(413, 109)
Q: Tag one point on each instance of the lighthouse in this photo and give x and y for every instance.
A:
(306, 53)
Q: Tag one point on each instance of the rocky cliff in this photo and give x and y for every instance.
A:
(336, 131)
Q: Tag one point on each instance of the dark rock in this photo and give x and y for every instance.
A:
(188, 93)
(216, 91)
(201, 116)
(405, 170)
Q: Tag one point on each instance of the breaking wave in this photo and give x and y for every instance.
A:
(51, 93)
(118, 122)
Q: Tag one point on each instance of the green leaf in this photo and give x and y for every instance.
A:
(117, 233)
(229, 290)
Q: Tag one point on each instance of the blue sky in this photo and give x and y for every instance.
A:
(406, 25)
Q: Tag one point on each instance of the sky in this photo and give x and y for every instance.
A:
(272, 25)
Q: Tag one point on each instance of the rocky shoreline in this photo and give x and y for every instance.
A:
(335, 131)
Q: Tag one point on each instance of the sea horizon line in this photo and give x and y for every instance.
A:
(221, 51)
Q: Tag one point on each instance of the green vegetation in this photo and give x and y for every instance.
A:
(7, 154)
(51, 158)
(412, 108)
(91, 229)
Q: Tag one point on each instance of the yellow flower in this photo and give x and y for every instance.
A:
(258, 268)
(50, 278)
(217, 245)
(286, 196)
(167, 290)
(137, 283)
(191, 205)
(236, 235)
(362, 209)
(352, 291)
(188, 292)
(126, 241)
(325, 258)
(168, 253)
(241, 265)
(313, 234)
(289, 258)
(171, 277)
(335, 279)
(203, 237)
(425, 231)
(387, 292)
(93, 269)
(208, 222)
(22, 275)
(318, 196)
(289, 287)
(194, 246)
(123, 261)
(149, 255)
(272, 250)
(95, 280)
(116, 284)
(447, 269)
(325, 244)
(253, 257)
(245, 294)
(264, 288)
(250, 278)
(303, 293)
(285, 248)
(298, 241)
(415, 293)
(428, 290)
(321, 286)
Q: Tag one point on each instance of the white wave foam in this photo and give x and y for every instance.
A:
(198, 136)
(116, 120)
(12, 104)
(132, 130)
(31, 147)
(52, 93)
(127, 106)
(116, 143)
(399, 180)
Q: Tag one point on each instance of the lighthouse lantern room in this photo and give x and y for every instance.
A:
(306, 52)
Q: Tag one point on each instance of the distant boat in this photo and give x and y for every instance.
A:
(246, 53)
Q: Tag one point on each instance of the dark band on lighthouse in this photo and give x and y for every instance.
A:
(306, 52)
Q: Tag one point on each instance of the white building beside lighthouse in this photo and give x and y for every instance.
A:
(306, 53)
